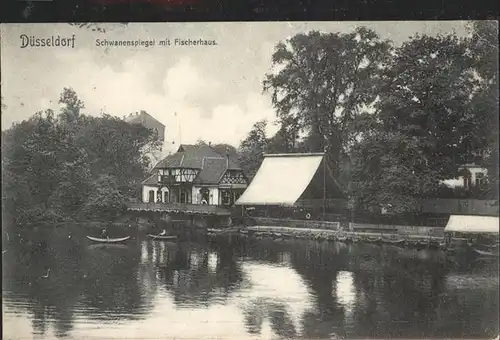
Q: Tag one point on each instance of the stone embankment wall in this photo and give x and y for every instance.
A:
(278, 222)
(376, 229)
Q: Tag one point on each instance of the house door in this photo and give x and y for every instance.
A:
(205, 196)
(174, 197)
(151, 196)
(165, 196)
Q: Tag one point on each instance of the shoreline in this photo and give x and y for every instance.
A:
(335, 235)
(281, 232)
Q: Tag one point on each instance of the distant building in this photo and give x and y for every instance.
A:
(472, 174)
(148, 121)
(196, 174)
(464, 193)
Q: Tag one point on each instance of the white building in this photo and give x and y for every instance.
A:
(476, 176)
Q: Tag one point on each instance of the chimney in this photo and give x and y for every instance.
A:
(209, 143)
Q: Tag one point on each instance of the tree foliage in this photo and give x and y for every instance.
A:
(395, 121)
(54, 165)
(484, 49)
(105, 200)
(433, 115)
(323, 81)
(253, 147)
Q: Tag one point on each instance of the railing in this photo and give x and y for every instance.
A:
(317, 203)
(460, 206)
(179, 207)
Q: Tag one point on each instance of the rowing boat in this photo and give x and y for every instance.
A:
(162, 237)
(396, 242)
(484, 253)
(434, 245)
(419, 245)
(374, 240)
(344, 239)
(108, 240)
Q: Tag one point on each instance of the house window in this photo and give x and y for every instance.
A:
(184, 196)
(151, 196)
(479, 178)
(226, 197)
(467, 182)
(165, 196)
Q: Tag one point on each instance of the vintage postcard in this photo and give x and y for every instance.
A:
(250, 180)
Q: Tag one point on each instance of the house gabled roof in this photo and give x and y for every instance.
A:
(191, 156)
(151, 180)
(212, 164)
(213, 170)
(188, 156)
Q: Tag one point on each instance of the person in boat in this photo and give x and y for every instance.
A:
(104, 233)
(163, 232)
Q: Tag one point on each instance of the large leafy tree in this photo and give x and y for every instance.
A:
(253, 147)
(287, 138)
(484, 50)
(427, 98)
(105, 200)
(323, 81)
(431, 117)
(53, 165)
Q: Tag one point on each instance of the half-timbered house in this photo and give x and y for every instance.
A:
(196, 174)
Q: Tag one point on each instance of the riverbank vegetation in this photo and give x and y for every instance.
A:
(71, 166)
(395, 121)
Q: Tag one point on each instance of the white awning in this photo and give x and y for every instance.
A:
(472, 224)
(281, 179)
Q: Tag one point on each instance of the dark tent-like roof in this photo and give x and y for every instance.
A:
(284, 179)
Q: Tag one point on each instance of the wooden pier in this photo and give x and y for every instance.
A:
(182, 208)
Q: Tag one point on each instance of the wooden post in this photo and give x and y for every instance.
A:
(324, 184)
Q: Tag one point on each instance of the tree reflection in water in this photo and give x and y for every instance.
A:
(281, 321)
(48, 295)
(186, 270)
(81, 278)
(288, 289)
(111, 286)
(373, 291)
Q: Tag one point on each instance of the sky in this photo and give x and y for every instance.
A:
(216, 91)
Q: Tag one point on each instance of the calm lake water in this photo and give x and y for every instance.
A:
(238, 289)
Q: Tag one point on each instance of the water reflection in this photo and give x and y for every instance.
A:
(192, 274)
(268, 297)
(260, 289)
